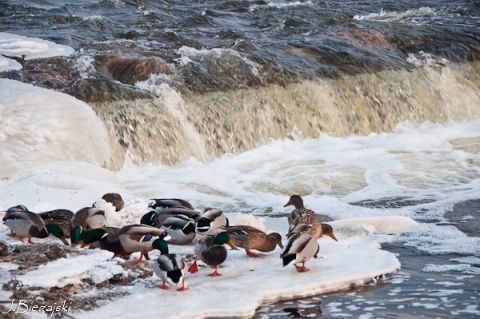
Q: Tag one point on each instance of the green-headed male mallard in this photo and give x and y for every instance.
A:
(127, 240)
(300, 248)
(85, 219)
(24, 223)
(60, 217)
(170, 268)
(249, 238)
(211, 251)
(301, 215)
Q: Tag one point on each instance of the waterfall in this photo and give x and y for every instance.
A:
(171, 127)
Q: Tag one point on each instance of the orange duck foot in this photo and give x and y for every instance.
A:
(253, 254)
(193, 268)
(12, 234)
(302, 268)
(215, 273)
(163, 286)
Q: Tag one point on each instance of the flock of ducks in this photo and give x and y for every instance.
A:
(173, 221)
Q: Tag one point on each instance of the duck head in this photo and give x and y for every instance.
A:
(147, 218)
(296, 201)
(161, 245)
(56, 231)
(93, 235)
(75, 235)
(223, 238)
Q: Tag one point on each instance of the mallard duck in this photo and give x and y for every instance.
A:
(85, 219)
(211, 251)
(301, 215)
(115, 199)
(24, 223)
(249, 238)
(170, 268)
(108, 230)
(163, 203)
(127, 240)
(157, 218)
(327, 230)
(181, 229)
(60, 217)
(211, 221)
(300, 248)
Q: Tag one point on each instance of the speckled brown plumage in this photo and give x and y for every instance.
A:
(248, 238)
(302, 215)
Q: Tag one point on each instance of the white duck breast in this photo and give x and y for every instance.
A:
(22, 223)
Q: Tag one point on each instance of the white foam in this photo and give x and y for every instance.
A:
(279, 5)
(32, 48)
(464, 268)
(389, 16)
(359, 181)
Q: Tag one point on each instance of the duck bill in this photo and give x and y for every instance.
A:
(64, 241)
(288, 204)
(280, 245)
(333, 236)
(232, 245)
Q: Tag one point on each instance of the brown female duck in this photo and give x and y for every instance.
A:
(302, 215)
(249, 238)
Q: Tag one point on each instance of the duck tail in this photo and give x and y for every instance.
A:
(288, 259)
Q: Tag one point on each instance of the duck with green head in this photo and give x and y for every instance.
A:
(85, 219)
(170, 268)
(24, 223)
(210, 249)
(127, 240)
(60, 217)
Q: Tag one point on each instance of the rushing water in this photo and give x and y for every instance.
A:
(242, 72)
(366, 107)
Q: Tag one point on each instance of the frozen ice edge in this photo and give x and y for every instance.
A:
(246, 283)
